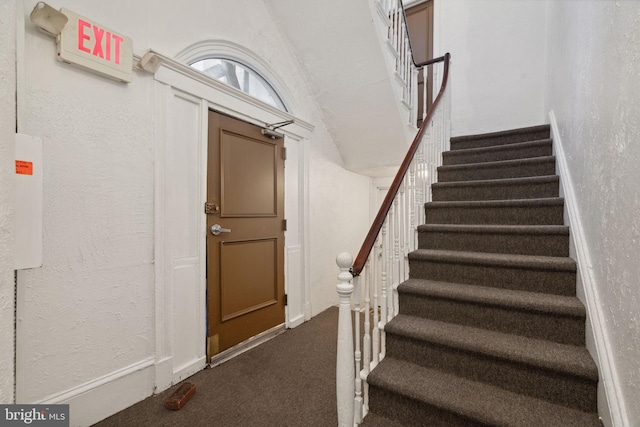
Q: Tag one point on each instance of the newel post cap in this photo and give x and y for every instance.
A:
(344, 261)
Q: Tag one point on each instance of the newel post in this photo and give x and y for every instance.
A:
(345, 370)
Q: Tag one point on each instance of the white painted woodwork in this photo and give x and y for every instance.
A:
(345, 389)
(97, 319)
(120, 298)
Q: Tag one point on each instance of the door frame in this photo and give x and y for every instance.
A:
(183, 98)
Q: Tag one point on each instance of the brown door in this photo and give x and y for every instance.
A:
(420, 24)
(245, 266)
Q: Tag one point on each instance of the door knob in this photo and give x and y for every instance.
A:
(216, 229)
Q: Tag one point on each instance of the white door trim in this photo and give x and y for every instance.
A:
(183, 97)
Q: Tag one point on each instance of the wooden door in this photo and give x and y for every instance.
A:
(420, 25)
(245, 266)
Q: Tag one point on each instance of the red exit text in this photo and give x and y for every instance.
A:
(98, 42)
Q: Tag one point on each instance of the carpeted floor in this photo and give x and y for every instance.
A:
(287, 381)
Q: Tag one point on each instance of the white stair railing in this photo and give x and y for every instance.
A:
(399, 44)
(382, 263)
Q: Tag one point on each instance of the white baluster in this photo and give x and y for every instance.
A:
(411, 235)
(406, 233)
(402, 224)
(447, 113)
(425, 86)
(357, 355)
(366, 339)
(377, 262)
(407, 63)
(383, 292)
(419, 185)
(344, 366)
(396, 261)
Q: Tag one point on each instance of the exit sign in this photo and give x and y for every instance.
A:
(93, 46)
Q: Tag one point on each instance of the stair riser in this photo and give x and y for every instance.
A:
(498, 171)
(532, 280)
(572, 391)
(411, 412)
(457, 157)
(497, 215)
(557, 328)
(521, 244)
(495, 192)
(499, 140)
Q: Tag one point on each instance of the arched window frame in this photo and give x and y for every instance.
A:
(241, 77)
(226, 50)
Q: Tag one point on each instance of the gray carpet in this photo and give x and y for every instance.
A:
(490, 331)
(287, 381)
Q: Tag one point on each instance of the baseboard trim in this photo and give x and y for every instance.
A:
(613, 413)
(163, 375)
(186, 370)
(307, 311)
(98, 399)
(295, 322)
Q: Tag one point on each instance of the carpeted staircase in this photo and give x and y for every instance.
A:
(490, 331)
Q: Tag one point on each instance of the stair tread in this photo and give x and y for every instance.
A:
(477, 401)
(513, 299)
(495, 229)
(499, 163)
(548, 201)
(496, 148)
(560, 358)
(495, 259)
(498, 182)
(489, 135)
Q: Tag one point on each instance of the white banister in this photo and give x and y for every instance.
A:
(383, 262)
(385, 267)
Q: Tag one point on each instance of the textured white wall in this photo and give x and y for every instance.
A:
(7, 203)
(593, 88)
(89, 311)
(497, 69)
(338, 221)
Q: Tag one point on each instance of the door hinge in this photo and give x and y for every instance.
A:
(286, 299)
(284, 225)
(284, 153)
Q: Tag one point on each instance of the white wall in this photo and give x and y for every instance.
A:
(338, 219)
(88, 315)
(7, 200)
(594, 91)
(497, 62)
(89, 310)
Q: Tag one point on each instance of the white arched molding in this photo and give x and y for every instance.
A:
(230, 50)
(182, 98)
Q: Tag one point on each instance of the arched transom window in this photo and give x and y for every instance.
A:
(241, 77)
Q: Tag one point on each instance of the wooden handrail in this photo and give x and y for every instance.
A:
(369, 241)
